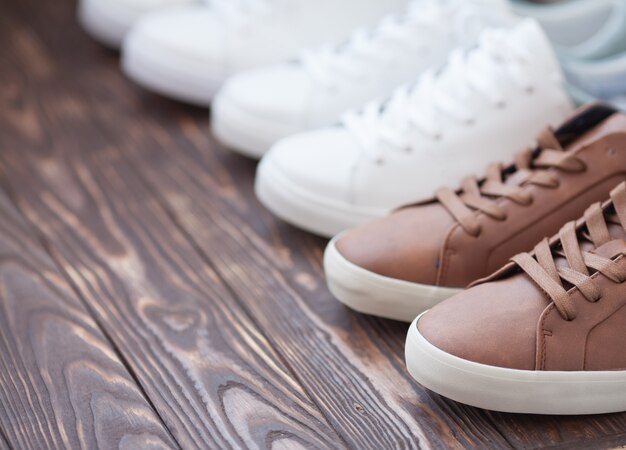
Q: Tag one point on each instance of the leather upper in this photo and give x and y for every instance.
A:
(507, 320)
(424, 244)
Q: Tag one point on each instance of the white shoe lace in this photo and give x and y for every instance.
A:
(381, 45)
(442, 97)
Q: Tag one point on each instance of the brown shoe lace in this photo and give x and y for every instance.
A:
(480, 195)
(542, 268)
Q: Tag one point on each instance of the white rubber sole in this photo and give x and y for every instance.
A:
(370, 293)
(319, 215)
(178, 78)
(248, 134)
(510, 390)
(105, 24)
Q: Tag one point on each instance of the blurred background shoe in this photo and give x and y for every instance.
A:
(580, 28)
(108, 21)
(603, 78)
(188, 52)
(483, 105)
(257, 108)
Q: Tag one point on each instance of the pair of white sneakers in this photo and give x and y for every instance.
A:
(186, 49)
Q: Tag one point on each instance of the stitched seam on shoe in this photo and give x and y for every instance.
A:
(446, 252)
(545, 333)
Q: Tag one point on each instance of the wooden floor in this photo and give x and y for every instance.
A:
(148, 300)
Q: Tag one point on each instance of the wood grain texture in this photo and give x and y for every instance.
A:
(4, 445)
(211, 375)
(62, 384)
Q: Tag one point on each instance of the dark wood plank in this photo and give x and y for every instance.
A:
(61, 382)
(211, 375)
(528, 431)
(617, 442)
(4, 445)
(209, 372)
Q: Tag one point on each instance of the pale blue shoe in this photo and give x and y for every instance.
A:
(597, 79)
(590, 39)
(583, 29)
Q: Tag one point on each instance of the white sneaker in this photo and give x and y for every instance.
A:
(108, 21)
(188, 52)
(481, 107)
(257, 108)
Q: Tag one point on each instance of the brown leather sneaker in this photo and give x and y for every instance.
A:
(403, 264)
(546, 334)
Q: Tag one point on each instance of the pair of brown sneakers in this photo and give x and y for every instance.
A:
(546, 333)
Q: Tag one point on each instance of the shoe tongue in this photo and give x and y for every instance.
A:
(529, 35)
(614, 122)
